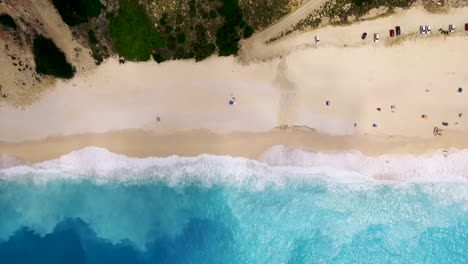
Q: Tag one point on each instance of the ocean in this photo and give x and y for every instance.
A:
(291, 206)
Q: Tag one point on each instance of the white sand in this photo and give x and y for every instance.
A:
(291, 90)
(139, 143)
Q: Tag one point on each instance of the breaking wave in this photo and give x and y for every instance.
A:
(291, 206)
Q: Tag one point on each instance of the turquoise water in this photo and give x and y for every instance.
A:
(107, 208)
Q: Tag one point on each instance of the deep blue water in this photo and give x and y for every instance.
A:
(298, 216)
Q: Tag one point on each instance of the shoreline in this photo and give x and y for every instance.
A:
(375, 98)
(140, 144)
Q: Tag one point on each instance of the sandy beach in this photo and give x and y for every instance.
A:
(141, 143)
(348, 150)
(381, 98)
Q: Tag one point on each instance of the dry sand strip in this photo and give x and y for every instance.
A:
(255, 48)
(418, 78)
(140, 143)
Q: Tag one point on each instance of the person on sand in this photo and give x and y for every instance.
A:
(424, 116)
(379, 109)
(460, 90)
(460, 115)
(327, 103)
(374, 125)
(232, 101)
(158, 119)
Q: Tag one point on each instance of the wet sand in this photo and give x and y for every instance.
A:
(140, 143)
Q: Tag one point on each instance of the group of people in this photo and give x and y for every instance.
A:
(392, 108)
(436, 131)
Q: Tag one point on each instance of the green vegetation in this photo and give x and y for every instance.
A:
(228, 36)
(202, 48)
(7, 21)
(50, 60)
(361, 7)
(74, 12)
(339, 11)
(200, 29)
(260, 14)
(187, 36)
(133, 34)
(342, 9)
(92, 37)
(99, 52)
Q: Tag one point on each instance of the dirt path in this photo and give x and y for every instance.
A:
(409, 20)
(255, 46)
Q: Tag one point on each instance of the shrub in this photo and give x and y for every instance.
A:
(248, 31)
(132, 32)
(74, 12)
(227, 40)
(228, 35)
(7, 21)
(50, 60)
(180, 37)
(92, 38)
(203, 51)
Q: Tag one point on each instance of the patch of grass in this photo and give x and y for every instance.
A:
(133, 34)
(50, 60)
(7, 21)
(74, 12)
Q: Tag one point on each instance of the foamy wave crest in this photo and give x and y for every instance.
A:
(277, 166)
(7, 161)
(269, 204)
(101, 166)
(441, 165)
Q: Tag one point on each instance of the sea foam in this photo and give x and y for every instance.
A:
(435, 166)
(102, 165)
(289, 204)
